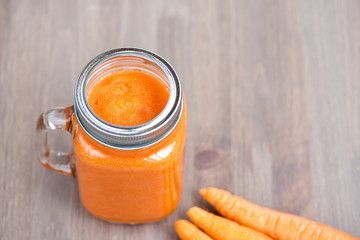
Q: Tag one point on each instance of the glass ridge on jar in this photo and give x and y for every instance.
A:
(125, 174)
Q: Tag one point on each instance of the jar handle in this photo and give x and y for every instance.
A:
(54, 119)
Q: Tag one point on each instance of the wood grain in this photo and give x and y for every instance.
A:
(273, 96)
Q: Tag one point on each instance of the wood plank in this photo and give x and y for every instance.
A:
(332, 59)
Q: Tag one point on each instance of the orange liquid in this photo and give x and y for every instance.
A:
(128, 97)
(133, 186)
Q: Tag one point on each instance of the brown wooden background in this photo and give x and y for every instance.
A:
(273, 90)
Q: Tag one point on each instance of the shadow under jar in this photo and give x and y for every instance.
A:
(126, 174)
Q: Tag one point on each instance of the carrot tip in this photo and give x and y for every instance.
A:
(180, 221)
(193, 209)
(203, 191)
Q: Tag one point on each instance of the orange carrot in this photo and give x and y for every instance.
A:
(188, 231)
(221, 228)
(275, 224)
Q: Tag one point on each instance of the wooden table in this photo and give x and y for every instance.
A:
(273, 90)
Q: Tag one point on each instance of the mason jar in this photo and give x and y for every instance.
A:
(126, 174)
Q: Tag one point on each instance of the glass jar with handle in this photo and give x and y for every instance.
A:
(126, 174)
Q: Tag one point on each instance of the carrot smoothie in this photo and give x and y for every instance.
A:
(130, 186)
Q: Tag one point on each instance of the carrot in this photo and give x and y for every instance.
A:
(275, 224)
(221, 228)
(188, 231)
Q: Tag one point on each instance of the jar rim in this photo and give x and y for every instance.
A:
(129, 137)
